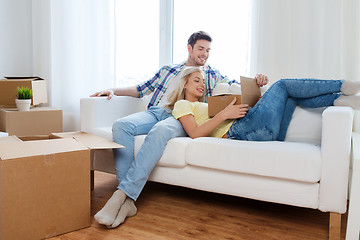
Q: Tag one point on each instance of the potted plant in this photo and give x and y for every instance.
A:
(23, 100)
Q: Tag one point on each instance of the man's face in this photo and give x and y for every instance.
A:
(199, 54)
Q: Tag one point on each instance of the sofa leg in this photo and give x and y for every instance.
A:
(334, 226)
(92, 180)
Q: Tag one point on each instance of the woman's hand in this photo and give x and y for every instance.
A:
(233, 111)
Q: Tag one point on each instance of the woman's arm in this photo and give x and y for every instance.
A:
(230, 112)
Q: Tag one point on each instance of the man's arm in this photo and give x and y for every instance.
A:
(126, 91)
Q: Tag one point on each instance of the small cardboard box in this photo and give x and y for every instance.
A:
(8, 90)
(37, 121)
(250, 94)
(45, 184)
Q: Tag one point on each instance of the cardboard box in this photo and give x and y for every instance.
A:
(37, 121)
(45, 184)
(8, 90)
(250, 94)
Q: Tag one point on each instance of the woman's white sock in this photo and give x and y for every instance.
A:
(348, 101)
(350, 87)
(109, 212)
(128, 209)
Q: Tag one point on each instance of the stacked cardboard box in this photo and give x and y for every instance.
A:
(44, 177)
(8, 90)
(45, 184)
(37, 121)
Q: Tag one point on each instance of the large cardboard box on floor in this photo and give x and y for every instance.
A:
(250, 94)
(45, 184)
(37, 121)
(8, 90)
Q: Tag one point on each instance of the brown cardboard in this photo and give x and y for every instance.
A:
(44, 185)
(8, 90)
(218, 103)
(250, 91)
(250, 94)
(37, 121)
(91, 141)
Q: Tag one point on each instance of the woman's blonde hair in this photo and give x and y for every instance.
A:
(179, 92)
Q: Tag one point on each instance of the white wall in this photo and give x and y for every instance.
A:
(306, 38)
(16, 38)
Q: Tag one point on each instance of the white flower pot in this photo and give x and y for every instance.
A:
(23, 104)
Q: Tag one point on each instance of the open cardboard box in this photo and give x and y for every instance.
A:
(8, 90)
(45, 184)
(250, 94)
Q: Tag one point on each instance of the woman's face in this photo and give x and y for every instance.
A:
(194, 87)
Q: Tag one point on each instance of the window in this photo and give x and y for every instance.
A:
(136, 41)
(227, 22)
(152, 33)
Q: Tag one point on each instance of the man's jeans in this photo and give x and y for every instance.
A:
(160, 126)
(269, 119)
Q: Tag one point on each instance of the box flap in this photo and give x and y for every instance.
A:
(90, 140)
(12, 147)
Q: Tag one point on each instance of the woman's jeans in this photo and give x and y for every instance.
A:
(269, 119)
(160, 126)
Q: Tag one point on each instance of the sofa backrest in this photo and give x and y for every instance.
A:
(305, 125)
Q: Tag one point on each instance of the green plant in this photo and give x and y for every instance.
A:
(24, 93)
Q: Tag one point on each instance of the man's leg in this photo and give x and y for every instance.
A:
(149, 154)
(124, 131)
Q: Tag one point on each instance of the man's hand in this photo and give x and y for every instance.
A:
(233, 111)
(261, 80)
(109, 93)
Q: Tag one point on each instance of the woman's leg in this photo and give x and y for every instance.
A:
(309, 88)
(289, 109)
(273, 111)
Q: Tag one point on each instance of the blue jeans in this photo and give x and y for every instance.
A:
(160, 126)
(269, 119)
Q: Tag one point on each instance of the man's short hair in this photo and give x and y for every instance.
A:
(197, 36)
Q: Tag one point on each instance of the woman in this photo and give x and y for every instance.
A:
(269, 119)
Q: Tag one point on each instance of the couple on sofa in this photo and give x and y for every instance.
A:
(184, 88)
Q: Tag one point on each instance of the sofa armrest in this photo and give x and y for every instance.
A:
(98, 112)
(337, 124)
(353, 223)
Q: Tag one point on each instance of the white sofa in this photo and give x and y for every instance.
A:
(309, 169)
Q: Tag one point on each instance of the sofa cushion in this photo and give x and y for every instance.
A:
(287, 160)
(305, 125)
(174, 154)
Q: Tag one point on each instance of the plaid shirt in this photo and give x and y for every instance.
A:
(159, 83)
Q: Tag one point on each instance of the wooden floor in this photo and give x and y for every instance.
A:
(172, 213)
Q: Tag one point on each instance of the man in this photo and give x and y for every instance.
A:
(159, 125)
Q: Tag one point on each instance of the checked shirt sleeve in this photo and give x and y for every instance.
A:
(149, 85)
